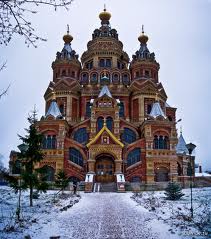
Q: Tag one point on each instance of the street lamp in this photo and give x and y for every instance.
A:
(190, 148)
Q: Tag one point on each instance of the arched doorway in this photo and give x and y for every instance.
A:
(161, 174)
(104, 168)
(47, 173)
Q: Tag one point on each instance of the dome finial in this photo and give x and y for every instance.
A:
(181, 129)
(142, 29)
(67, 38)
(68, 29)
(143, 38)
(105, 16)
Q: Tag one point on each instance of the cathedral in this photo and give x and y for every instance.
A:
(107, 119)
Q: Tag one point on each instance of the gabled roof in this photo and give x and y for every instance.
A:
(157, 111)
(181, 145)
(105, 91)
(53, 110)
(109, 133)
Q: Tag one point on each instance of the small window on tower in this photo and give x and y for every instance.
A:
(73, 74)
(147, 73)
(64, 73)
(89, 65)
(149, 108)
(137, 74)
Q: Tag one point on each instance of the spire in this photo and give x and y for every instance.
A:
(53, 109)
(105, 91)
(181, 145)
(157, 111)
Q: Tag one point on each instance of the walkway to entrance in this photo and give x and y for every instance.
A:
(106, 215)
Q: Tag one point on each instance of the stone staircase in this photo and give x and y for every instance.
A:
(108, 187)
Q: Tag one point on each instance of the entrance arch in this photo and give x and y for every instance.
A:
(161, 174)
(104, 168)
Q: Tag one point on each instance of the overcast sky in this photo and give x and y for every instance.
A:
(179, 34)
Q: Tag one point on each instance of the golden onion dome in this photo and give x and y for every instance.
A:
(105, 16)
(143, 38)
(67, 37)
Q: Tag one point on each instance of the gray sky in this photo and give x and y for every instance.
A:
(179, 34)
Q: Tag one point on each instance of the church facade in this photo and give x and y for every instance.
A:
(107, 118)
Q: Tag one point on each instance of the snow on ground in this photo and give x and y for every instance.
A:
(99, 216)
(176, 214)
(45, 210)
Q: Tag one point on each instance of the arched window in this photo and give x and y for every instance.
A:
(179, 169)
(125, 79)
(61, 108)
(161, 174)
(128, 136)
(81, 136)
(121, 109)
(166, 142)
(115, 78)
(88, 109)
(100, 122)
(161, 142)
(44, 142)
(53, 141)
(134, 156)
(16, 168)
(94, 78)
(75, 156)
(49, 142)
(84, 78)
(109, 123)
(156, 142)
(149, 108)
(47, 173)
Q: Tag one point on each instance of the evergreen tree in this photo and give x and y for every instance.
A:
(173, 191)
(62, 180)
(30, 155)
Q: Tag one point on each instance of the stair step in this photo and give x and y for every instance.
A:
(108, 187)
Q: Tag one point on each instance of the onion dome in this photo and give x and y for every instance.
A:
(104, 16)
(67, 37)
(143, 38)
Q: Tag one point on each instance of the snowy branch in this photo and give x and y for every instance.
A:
(14, 20)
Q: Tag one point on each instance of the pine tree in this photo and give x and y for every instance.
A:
(62, 180)
(30, 155)
(173, 191)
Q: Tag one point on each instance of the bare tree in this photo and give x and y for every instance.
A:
(3, 92)
(14, 18)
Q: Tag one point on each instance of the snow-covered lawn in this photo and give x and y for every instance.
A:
(33, 219)
(99, 216)
(177, 213)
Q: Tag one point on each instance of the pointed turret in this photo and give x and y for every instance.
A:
(54, 110)
(157, 111)
(105, 91)
(181, 145)
(144, 66)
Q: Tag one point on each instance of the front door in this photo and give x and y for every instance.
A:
(104, 169)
